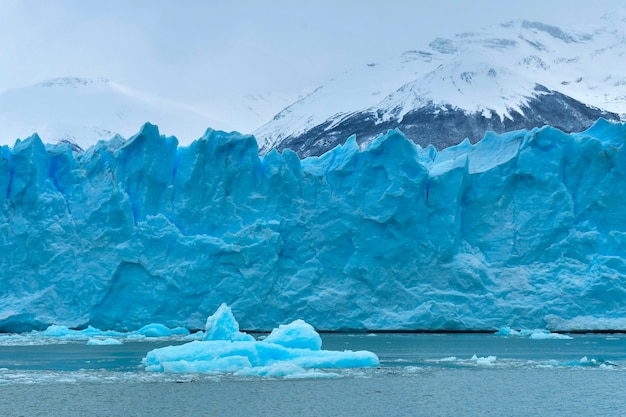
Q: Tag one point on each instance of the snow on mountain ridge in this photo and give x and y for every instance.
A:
(85, 110)
(75, 82)
(494, 71)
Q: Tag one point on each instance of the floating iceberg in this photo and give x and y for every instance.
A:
(292, 350)
(484, 361)
(549, 336)
(524, 229)
(56, 334)
(98, 341)
(536, 334)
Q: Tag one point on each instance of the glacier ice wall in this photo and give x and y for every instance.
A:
(524, 229)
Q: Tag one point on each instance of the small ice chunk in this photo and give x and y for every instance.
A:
(549, 336)
(63, 332)
(507, 331)
(537, 334)
(98, 341)
(154, 330)
(484, 361)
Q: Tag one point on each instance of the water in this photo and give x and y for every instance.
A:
(420, 375)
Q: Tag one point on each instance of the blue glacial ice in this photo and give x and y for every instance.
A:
(108, 341)
(291, 350)
(521, 230)
(56, 334)
(536, 334)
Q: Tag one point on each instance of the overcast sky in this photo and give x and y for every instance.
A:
(199, 51)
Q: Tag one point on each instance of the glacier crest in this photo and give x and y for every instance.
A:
(524, 230)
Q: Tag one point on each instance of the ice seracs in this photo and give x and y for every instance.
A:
(524, 230)
(291, 350)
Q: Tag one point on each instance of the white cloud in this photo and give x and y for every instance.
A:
(204, 53)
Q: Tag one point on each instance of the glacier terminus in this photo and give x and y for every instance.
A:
(526, 229)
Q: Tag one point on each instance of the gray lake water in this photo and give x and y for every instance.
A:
(420, 375)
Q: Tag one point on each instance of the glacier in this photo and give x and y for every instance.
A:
(525, 229)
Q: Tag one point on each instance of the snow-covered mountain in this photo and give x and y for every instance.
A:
(519, 74)
(83, 111)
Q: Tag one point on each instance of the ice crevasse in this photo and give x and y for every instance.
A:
(524, 230)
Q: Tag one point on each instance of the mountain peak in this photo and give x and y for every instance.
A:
(519, 74)
(83, 111)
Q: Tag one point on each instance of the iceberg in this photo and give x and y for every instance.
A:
(98, 341)
(56, 334)
(291, 350)
(522, 230)
(536, 334)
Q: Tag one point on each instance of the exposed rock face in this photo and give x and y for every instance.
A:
(443, 127)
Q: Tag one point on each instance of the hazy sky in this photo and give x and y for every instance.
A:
(201, 51)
